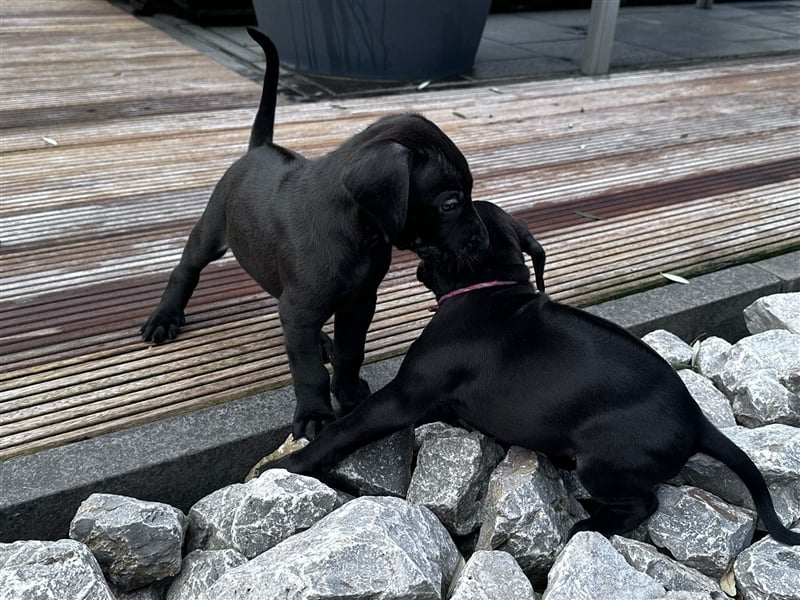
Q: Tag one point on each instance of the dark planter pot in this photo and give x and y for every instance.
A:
(375, 39)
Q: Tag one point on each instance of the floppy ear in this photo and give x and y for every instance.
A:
(378, 180)
(532, 248)
(424, 275)
(536, 252)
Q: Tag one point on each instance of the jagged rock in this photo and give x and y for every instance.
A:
(528, 511)
(435, 429)
(790, 379)
(135, 542)
(714, 404)
(154, 591)
(712, 355)
(775, 450)
(252, 517)
(671, 348)
(452, 475)
(35, 570)
(589, 568)
(200, 570)
(778, 311)
(490, 575)
(762, 400)
(673, 575)
(776, 351)
(371, 547)
(382, 468)
(768, 570)
(699, 529)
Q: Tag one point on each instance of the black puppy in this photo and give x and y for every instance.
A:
(528, 371)
(317, 235)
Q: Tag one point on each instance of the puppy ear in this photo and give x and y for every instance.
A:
(424, 275)
(536, 252)
(378, 180)
(532, 248)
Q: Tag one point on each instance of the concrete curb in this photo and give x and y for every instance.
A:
(180, 459)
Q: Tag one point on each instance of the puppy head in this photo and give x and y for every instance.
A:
(501, 260)
(407, 174)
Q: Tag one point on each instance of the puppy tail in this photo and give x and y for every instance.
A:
(264, 123)
(714, 443)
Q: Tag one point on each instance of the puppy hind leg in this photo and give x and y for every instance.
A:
(618, 515)
(207, 242)
(350, 333)
(624, 501)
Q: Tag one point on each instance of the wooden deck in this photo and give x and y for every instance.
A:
(113, 136)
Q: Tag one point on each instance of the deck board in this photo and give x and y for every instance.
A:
(690, 170)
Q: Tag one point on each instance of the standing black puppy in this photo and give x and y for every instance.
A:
(317, 235)
(534, 373)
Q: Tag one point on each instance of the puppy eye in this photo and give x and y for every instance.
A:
(451, 204)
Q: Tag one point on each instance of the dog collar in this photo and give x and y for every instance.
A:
(470, 288)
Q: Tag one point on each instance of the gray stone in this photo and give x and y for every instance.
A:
(714, 404)
(528, 511)
(589, 568)
(35, 570)
(712, 355)
(777, 311)
(692, 596)
(790, 379)
(252, 517)
(490, 575)
(435, 429)
(451, 478)
(154, 591)
(775, 450)
(673, 575)
(671, 348)
(776, 351)
(382, 468)
(135, 542)
(372, 547)
(768, 570)
(762, 400)
(699, 529)
(200, 570)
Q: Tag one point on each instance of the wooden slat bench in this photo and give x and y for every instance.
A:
(688, 170)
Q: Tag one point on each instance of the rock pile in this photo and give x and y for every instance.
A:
(446, 493)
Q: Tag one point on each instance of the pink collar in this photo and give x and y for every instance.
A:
(471, 288)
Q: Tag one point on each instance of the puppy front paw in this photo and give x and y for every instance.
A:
(163, 324)
(308, 423)
(350, 396)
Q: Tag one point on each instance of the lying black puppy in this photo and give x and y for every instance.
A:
(317, 234)
(528, 371)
